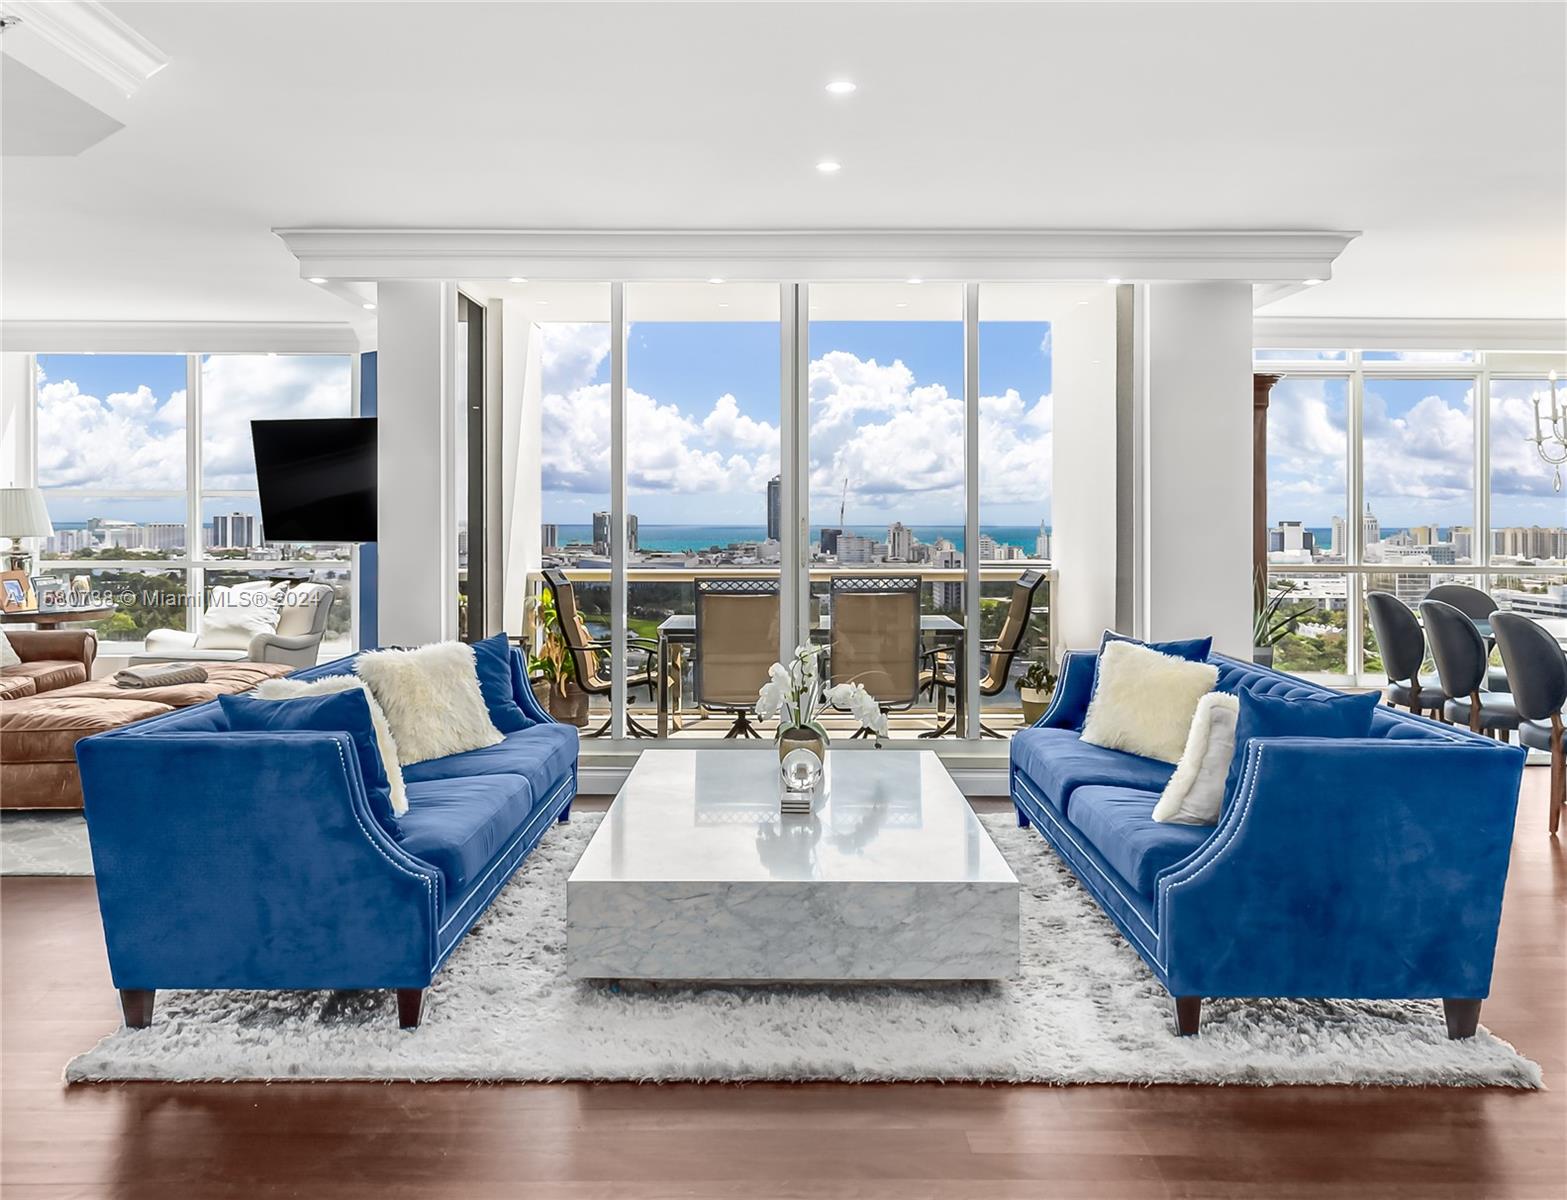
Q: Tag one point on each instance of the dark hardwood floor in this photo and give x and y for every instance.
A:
(385, 1142)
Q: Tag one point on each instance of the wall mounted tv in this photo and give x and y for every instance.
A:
(317, 479)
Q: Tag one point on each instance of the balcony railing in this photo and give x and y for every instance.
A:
(660, 607)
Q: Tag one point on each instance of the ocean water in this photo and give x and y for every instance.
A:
(679, 538)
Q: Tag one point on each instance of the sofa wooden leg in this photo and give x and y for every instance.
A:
(1188, 1014)
(136, 1005)
(410, 1004)
(564, 815)
(1463, 1017)
(1022, 819)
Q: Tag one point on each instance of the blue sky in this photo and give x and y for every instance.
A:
(703, 415)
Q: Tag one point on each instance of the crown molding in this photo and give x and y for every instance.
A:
(1257, 256)
(1414, 333)
(178, 337)
(94, 37)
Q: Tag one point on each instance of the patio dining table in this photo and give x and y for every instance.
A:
(680, 630)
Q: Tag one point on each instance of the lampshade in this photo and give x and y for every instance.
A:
(23, 514)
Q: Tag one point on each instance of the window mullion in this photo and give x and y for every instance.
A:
(195, 577)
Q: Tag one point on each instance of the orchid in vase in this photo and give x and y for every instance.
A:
(797, 696)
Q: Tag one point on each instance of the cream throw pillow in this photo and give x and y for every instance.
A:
(431, 698)
(1195, 792)
(238, 613)
(386, 743)
(1145, 700)
(8, 655)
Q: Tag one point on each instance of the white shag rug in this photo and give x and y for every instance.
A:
(1084, 1010)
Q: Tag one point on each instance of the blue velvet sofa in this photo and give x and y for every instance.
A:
(252, 860)
(1343, 868)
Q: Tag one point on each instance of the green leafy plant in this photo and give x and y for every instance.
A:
(1036, 677)
(1274, 616)
(552, 659)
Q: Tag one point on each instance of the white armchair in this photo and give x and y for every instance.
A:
(296, 642)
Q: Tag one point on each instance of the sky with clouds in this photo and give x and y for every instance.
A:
(886, 414)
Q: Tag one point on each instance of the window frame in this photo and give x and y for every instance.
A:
(195, 563)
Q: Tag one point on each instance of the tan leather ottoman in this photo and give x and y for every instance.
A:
(38, 737)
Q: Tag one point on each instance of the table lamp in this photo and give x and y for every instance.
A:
(22, 515)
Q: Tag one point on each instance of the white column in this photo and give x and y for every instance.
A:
(416, 471)
(16, 419)
(1196, 469)
(1083, 468)
(522, 502)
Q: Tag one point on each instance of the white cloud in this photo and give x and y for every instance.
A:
(239, 388)
(132, 440)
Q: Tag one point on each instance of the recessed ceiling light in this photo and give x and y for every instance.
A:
(318, 279)
(369, 306)
(915, 279)
(541, 301)
(828, 167)
(723, 304)
(1082, 304)
(517, 279)
(1311, 282)
(902, 304)
(1113, 282)
(841, 87)
(715, 280)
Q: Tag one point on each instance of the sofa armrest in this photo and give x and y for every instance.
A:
(522, 692)
(169, 641)
(55, 645)
(1348, 868)
(250, 860)
(1074, 686)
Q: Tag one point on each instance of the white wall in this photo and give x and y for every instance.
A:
(1083, 453)
(416, 473)
(1195, 475)
(521, 457)
(16, 420)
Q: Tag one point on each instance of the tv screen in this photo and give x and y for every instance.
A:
(316, 478)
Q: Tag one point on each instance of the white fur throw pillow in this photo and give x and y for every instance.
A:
(1196, 790)
(431, 698)
(1145, 700)
(386, 743)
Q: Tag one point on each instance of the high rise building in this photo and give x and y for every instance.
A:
(68, 541)
(775, 508)
(165, 535)
(1425, 535)
(1463, 542)
(987, 548)
(601, 538)
(1042, 543)
(234, 531)
(1370, 527)
(549, 536)
(1290, 541)
(854, 550)
(900, 542)
(1338, 543)
(829, 540)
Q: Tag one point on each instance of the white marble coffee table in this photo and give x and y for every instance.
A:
(694, 875)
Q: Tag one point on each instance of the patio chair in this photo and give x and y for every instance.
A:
(875, 638)
(590, 656)
(736, 643)
(999, 650)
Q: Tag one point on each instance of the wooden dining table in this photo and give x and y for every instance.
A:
(680, 630)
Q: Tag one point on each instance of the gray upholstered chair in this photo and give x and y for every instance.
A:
(1477, 606)
(1537, 670)
(1402, 646)
(296, 642)
(736, 645)
(875, 639)
(1460, 653)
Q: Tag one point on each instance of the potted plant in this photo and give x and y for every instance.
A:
(797, 697)
(1033, 689)
(1274, 617)
(552, 664)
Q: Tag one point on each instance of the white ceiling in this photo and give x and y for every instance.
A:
(1440, 130)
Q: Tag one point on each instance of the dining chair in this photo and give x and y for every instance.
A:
(999, 650)
(736, 644)
(590, 657)
(875, 638)
(1537, 670)
(1460, 653)
(1402, 645)
(1477, 606)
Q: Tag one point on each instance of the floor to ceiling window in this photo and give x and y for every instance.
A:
(1412, 502)
(151, 516)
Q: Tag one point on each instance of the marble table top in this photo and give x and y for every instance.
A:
(711, 815)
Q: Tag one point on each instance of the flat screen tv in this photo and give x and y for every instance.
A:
(316, 478)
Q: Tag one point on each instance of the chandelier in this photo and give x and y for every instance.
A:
(1550, 436)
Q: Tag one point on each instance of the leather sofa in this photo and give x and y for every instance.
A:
(252, 860)
(1343, 868)
(49, 702)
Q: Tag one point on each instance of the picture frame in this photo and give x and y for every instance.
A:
(50, 593)
(16, 592)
